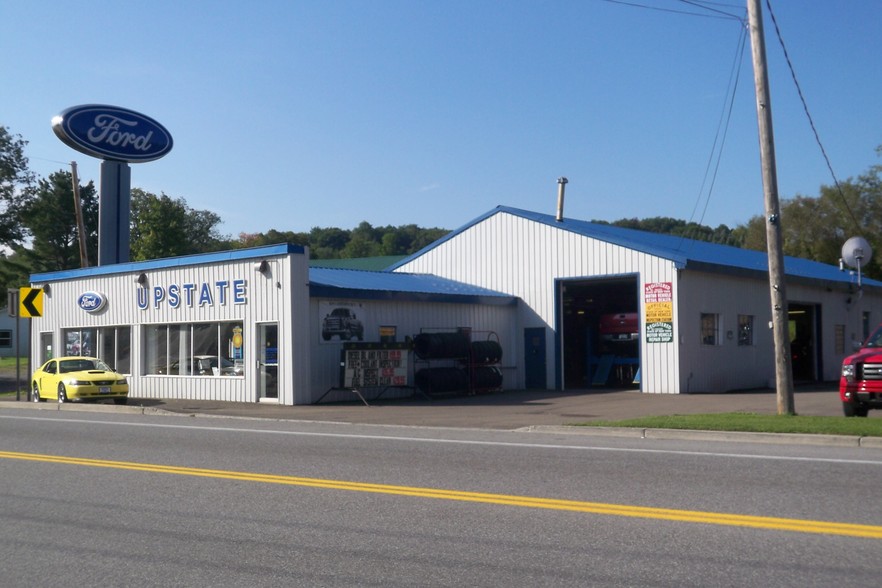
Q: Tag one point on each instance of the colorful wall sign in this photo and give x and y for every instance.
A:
(659, 308)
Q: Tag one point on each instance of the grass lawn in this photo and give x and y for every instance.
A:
(755, 423)
(8, 363)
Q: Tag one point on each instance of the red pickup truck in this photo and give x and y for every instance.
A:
(860, 383)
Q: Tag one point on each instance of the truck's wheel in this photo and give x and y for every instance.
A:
(854, 409)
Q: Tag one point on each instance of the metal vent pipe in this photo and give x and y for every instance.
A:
(561, 184)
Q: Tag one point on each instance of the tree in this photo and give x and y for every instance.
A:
(49, 218)
(271, 237)
(16, 182)
(816, 228)
(670, 226)
(162, 226)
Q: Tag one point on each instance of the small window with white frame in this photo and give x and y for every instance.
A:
(5, 338)
(745, 329)
(710, 329)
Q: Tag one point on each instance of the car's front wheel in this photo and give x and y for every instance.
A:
(35, 394)
(62, 394)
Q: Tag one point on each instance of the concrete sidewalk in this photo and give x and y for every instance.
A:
(503, 410)
(519, 409)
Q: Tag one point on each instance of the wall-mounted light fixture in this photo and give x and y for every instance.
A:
(141, 280)
(262, 267)
(47, 290)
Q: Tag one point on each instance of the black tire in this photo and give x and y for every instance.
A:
(62, 394)
(35, 394)
(123, 400)
(854, 409)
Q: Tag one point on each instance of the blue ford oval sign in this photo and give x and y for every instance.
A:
(111, 132)
(91, 301)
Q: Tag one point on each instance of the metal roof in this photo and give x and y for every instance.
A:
(169, 262)
(683, 252)
(382, 285)
(358, 263)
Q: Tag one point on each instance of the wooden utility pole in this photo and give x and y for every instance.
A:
(774, 240)
(78, 209)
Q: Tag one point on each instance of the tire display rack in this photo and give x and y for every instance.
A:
(457, 361)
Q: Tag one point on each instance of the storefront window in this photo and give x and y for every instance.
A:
(80, 341)
(202, 349)
(115, 346)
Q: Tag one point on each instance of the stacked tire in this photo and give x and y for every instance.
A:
(477, 360)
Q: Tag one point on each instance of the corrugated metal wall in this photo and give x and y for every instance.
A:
(524, 258)
(410, 318)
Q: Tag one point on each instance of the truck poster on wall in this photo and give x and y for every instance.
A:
(658, 302)
(341, 321)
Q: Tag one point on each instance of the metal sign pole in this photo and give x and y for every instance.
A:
(17, 358)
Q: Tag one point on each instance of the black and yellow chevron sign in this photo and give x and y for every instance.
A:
(30, 302)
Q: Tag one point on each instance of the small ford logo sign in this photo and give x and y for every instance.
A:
(111, 132)
(91, 301)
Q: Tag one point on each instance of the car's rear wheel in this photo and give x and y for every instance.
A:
(35, 394)
(62, 394)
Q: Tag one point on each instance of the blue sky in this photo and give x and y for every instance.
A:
(289, 115)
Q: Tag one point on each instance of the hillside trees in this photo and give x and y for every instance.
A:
(364, 240)
(162, 226)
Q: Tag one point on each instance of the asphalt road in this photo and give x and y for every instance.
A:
(124, 499)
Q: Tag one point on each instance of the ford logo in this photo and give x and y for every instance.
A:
(110, 132)
(91, 301)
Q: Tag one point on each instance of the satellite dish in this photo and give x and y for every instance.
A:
(856, 252)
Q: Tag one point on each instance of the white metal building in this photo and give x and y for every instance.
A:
(261, 325)
(703, 309)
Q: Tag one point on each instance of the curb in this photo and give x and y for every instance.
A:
(719, 436)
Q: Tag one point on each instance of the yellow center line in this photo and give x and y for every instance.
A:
(622, 510)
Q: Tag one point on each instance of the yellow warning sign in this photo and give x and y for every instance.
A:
(30, 302)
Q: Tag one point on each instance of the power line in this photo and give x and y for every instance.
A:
(734, 77)
(809, 116)
(702, 5)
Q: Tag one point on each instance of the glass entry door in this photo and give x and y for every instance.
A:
(268, 362)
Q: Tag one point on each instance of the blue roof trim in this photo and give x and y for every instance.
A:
(381, 285)
(683, 252)
(170, 262)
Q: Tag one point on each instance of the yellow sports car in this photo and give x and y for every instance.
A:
(77, 379)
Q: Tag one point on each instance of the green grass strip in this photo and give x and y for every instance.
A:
(754, 423)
